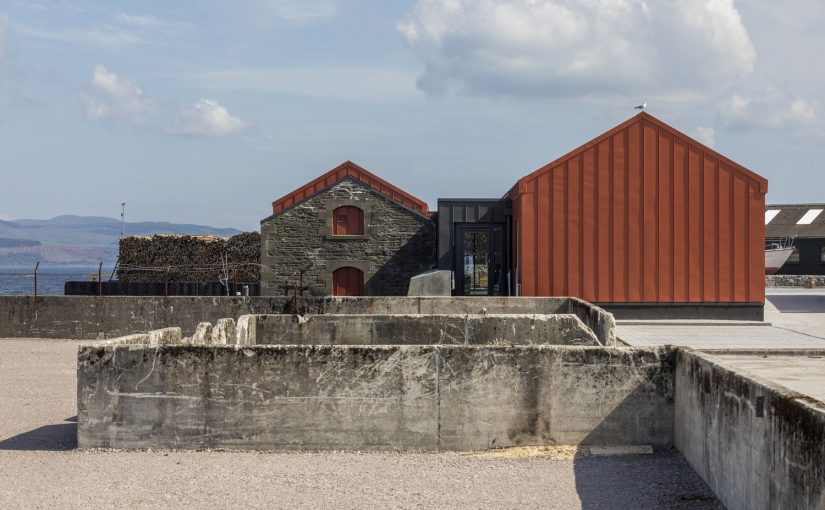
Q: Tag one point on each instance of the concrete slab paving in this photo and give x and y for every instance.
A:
(718, 337)
(796, 319)
(803, 373)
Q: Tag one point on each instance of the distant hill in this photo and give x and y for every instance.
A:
(80, 239)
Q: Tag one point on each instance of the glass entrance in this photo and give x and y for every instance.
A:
(476, 256)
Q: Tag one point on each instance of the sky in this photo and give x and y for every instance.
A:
(205, 112)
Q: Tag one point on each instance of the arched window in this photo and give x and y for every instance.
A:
(348, 281)
(348, 221)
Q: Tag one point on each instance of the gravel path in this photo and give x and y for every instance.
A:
(40, 467)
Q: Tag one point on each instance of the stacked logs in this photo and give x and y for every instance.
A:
(190, 258)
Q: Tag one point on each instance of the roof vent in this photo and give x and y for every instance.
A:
(771, 214)
(809, 217)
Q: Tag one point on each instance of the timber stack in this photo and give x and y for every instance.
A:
(190, 258)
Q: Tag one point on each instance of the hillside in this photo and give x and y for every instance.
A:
(80, 239)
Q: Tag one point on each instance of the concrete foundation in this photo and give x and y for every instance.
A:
(364, 329)
(431, 283)
(372, 398)
(685, 311)
(90, 317)
(756, 444)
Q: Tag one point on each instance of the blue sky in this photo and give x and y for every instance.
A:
(205, 112)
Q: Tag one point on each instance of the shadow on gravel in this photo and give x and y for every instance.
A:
(51, 438)
(663, 479)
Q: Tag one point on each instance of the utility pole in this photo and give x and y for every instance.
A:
(122, 219)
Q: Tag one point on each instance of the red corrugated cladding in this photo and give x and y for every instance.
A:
(642, 214)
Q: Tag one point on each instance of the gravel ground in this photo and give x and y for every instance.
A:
(41, 468)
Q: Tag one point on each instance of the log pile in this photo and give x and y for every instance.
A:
(190, 258)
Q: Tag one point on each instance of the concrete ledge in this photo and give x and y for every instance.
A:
(92, 317)
(756, 444)
(372, 398)
(412, 329)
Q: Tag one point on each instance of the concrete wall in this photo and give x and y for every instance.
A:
(372, 398)
(397, 243)
(756, 444)
(361, 329)
(90, 317)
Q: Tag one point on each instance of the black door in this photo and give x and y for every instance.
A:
(479, 252)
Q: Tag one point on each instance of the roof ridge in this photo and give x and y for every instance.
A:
(640, 117)
(360, 174)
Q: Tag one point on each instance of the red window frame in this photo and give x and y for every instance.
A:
(347, 220)
(347, 281)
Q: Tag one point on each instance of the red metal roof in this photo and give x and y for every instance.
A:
(641, 117)
(341, 172)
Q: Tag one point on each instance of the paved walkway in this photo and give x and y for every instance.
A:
(805, 374)
(797, 318)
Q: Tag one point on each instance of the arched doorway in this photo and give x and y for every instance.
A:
(348, 281)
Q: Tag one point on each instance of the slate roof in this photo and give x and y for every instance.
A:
(784, 224)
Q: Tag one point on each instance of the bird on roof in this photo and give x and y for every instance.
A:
(641, 106)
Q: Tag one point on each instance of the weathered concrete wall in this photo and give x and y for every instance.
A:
(372, 398)
(361, 329)
(397, 243)
(431, 283)
(90, 317)
(756, 444)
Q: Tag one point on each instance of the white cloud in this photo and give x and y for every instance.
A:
(207, 117)
(705, 135)
(771, 109)
(111, 97)
(577, 48)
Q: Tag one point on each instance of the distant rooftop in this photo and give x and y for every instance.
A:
(795, 220)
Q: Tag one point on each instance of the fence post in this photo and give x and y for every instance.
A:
(36, 269)
(166, 284)
(100, 279)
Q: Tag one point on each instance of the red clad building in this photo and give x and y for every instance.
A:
(643, 216)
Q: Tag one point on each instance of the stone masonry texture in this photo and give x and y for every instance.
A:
(397, 243)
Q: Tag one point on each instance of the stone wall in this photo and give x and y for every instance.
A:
(794, 280)
(372, 397)
(397, 243)
(187, 258)
(757, 445)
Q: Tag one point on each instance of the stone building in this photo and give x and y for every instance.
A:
(350, 233)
